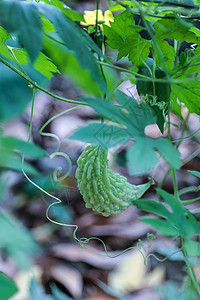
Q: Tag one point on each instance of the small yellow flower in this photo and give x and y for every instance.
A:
(90, 17)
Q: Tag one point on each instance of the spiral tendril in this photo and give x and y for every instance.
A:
(81, 241)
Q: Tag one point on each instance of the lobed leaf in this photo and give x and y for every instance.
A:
(163, 226)
(123, 35)
(102, 134)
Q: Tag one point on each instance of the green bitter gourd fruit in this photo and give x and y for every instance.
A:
(103, 190)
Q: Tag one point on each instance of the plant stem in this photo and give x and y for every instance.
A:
(173, 3)
(175, 183)
(190, 271)
(193, 155)
(187, 202)
(35, 85)
(189, 189)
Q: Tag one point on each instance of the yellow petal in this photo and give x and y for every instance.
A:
(108, 17)
(90, 17)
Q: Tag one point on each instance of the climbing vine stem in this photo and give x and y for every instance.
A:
(190, 270)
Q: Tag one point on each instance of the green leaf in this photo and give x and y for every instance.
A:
(192, 247)
(22, 17)
(107, 109)
(43, 63)
(152, 207)
(195, 173)
(7, 287)
(4, 36)
(177, 29)
(117, 7)
(136, 48)
(157, 93)
(173, 202)
(20, 146)
(168, 55)
(135, 117)
(8, 160)
(123, 35)
(188, 93)
(69, 65)
(74, 40)
(163, 226)
(122, 24)
(114, 40)
(17, 241)
(70, 13)
(11, 147)
(139, 115)
(169, 152)
(141, 157)
(15, 94)
(102, 134)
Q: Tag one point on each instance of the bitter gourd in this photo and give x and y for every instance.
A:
(103, 190)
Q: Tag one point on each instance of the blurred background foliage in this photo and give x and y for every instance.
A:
(41, 257)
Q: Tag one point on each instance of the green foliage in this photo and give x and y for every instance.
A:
(195, 173)
(158, 93)
(38, 39)
(14, 16)
(17, 241)
(11, 147)
(123, 35)
(15, 94)
(176, 221)
(134, 118)
(69, 65)
(189, 93)
(7, 287)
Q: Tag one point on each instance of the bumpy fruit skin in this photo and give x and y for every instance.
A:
(103, 190)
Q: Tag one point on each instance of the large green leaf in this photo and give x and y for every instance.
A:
(178, 29)
(20, 146)
(7, 287)
(152, 207)
(70, 13)
(22, 18)
(43, 63)
(123, 35)
(168, 151)
(162, 226)
(134, 118)
(105, 135)
(11, 147)
(192, 247)
(136, 48)
(168, 55)
(74, 40)
(141, 156)
(188, 92)
(69, 65)
(17, 241)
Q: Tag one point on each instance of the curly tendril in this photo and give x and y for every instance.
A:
(56, 176)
